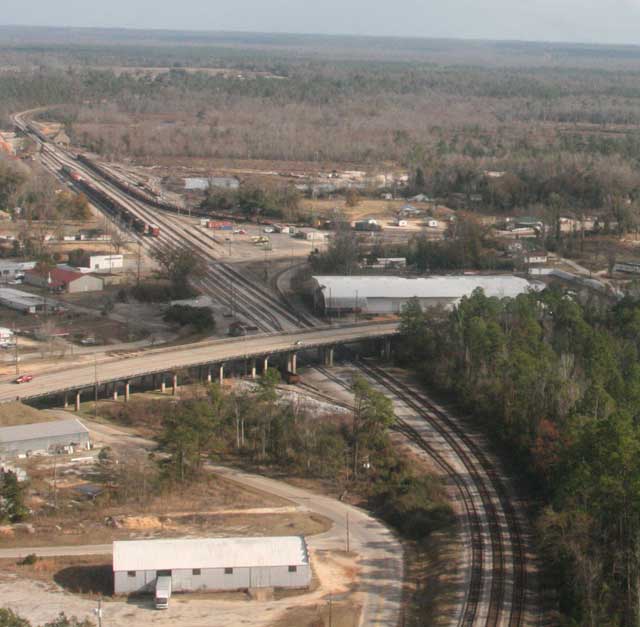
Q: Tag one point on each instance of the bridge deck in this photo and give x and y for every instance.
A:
(164, 360)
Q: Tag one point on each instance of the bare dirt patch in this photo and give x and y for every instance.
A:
(16, 413)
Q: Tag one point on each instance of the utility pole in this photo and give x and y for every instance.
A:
(95, 377)
(55, 483)
(15, 339)
(139, 261)
(348, 539)
(98, 611)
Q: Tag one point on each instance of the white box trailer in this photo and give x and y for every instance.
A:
(163, 592)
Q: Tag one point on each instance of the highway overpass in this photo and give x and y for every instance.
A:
(163, 362)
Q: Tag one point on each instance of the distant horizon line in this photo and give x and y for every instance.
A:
(186, 31)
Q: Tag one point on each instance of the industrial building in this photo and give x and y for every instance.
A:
(211, 564)
(389, 294)
(25, 302)
(62, 280)
(101, 263)
(47, 437)
(12, 270)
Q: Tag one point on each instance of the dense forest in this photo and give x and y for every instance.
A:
(560, 127)
(558, 384)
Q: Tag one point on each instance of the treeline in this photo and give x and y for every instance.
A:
(468, 246)
(8, 618)
(351, 451)
(251, 201)
(36, 195)
(558, 383)
(542, 182)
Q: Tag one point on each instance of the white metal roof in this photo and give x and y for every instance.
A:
(35, 431)
(344, 288)
(177, 554)
(21, 298)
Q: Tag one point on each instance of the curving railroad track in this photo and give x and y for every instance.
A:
(499, 592)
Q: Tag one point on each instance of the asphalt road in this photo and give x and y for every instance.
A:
(167, 359)
(380, 552)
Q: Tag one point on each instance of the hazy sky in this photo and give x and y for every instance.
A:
(606, 21)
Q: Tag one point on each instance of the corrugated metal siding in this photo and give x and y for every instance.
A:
(43, 444)
(183, 580)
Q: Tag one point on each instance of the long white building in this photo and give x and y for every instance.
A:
(211, 564)
(43, 437)
(389, 294)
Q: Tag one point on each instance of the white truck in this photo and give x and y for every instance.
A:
(163, 592)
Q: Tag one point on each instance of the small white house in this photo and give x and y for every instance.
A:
(105, 263)
(432, 224)
(211, 564)
(401, 222)
(6, 335)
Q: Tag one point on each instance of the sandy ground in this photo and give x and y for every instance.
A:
(40, 602)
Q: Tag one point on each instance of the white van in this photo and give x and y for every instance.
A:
(163, 592)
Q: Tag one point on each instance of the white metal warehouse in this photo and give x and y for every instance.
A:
(43, 437)
(388, 294)
(211, 563)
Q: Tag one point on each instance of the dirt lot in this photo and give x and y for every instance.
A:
(40, 591)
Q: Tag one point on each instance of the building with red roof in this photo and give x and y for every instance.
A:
(61, 280)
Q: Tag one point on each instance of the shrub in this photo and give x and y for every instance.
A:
(200, 318)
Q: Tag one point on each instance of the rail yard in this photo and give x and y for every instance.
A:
(499, 580)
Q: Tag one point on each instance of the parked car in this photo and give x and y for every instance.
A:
(269, 229)
(24, 378)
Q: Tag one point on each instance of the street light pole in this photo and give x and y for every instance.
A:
(95, 377)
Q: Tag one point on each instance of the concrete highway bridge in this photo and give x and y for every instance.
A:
(161, 367)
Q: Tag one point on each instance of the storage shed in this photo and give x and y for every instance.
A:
(211, 563)
(43, 437)
(389, 294)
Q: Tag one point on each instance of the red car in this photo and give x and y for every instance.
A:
(24, 378)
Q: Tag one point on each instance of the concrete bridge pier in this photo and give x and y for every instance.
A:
(221, 374)
(78, 400)
(174, 384)
(127, 391)
(292, 363)
(209, 375)
(163, 384)
(326, 356)
(115, 391)
(66, 400)
(387, 348)
(265, 365)
(253, 368)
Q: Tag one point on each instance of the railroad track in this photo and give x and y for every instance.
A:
(250, 300)
(490, 568)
